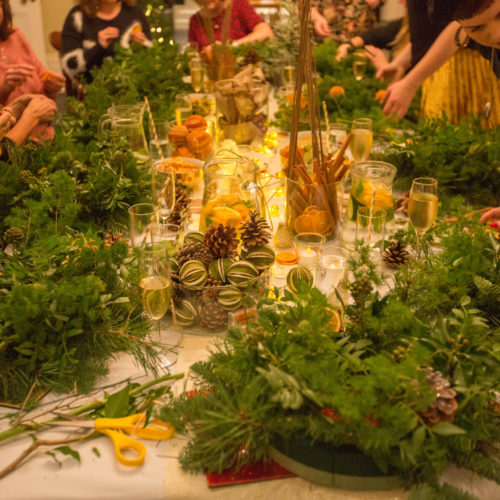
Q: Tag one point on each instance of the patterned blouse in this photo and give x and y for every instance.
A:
(348, 18)
(243, 21)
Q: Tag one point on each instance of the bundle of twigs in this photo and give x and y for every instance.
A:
(312, 194)
(221, 56)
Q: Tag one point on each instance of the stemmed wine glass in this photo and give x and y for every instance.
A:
(142, 217)
(156, 289)
(422, 207)
(163, 189)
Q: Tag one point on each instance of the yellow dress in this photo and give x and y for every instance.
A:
(462, 86)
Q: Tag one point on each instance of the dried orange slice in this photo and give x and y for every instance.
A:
(303, 224)
(287, 258)
(335, 319)
(310, 208)
(320, 222)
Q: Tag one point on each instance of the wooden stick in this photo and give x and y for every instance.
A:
(339, 159)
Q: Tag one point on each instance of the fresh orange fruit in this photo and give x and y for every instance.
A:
(380, 95)
(335, 91)
(303, 224)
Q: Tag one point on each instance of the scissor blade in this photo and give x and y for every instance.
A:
(73, 423)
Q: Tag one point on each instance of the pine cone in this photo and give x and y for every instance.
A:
(26, 176)
(120, 157)
(395, 255)
(361, 288)
(13, 235)
(251, 57)
(212, 282)
(221, 241)
(194, 251)
(255, 232)
(212, 316)
(445, 406)
(180, 208)
(177, 289)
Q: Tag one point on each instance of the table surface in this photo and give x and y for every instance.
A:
(102, 478)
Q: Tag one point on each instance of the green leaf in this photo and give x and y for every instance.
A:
(417, 438)
(96, 451)
(66, 450)
(447, 429)
(53, 455)
(117, 404)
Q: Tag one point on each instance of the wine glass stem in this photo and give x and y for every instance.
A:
(419, 244)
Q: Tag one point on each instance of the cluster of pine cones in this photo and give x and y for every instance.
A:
(218, 242)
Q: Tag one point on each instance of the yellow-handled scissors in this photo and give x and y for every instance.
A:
(114, 428)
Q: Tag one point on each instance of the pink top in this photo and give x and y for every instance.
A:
(15, 50)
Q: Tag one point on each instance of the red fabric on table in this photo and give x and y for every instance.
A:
(259, 471)
(243, 21)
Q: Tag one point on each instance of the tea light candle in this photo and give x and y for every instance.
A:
(309, 248)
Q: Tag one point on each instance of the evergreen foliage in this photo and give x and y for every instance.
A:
(291, 374)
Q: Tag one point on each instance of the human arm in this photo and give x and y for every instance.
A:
(343, 48)
(397, 67)
(492, 217)
(320, 23)
(400, 94)
(376, 56)
(40, 109)
(261, 32)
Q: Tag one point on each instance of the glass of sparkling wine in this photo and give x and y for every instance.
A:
(196, 72)
(359, 64)
(288, 75)
(362, 139)
(156, 289)
(183, 108)
(423, 206)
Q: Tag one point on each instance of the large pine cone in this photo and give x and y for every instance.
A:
(255, 232)
(445, 406)
(221, 241)
(212, 316)
(251, 57)
(13, 235)
(395, 255)
(194, 251)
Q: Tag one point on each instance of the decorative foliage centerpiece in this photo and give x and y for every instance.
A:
(211, 278)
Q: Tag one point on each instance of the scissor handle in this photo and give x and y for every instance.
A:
(134, 425)
(123, 442)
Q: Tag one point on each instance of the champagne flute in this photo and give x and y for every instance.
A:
(163, 189)
(183, 108)
(196, 72)
(156, 288)
(142, 217)
(362, 139)
(422, 207)
(359, 65)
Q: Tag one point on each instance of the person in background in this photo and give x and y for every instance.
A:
(21, 72)
(93, 27)
(341, 20)
(246, 25)
(465, 82)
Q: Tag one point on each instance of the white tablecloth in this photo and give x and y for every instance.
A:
(161, 477)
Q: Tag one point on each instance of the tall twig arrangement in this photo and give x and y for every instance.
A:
(317, 190)
(220, 52)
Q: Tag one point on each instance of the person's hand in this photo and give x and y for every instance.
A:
(492, 217)
(139, 37)
(107, 35)
(342, 51)
(373, 4)
(53, 83)
(17, 106)
(41, 109)
(398, 98)
(16, 75)
(391, 71)
(7, 120)
(321, 27)
(376, 56)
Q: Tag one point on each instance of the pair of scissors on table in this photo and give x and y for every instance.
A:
(114, 428)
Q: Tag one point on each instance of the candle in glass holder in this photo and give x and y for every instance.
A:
(309, 248)
(330, 272)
